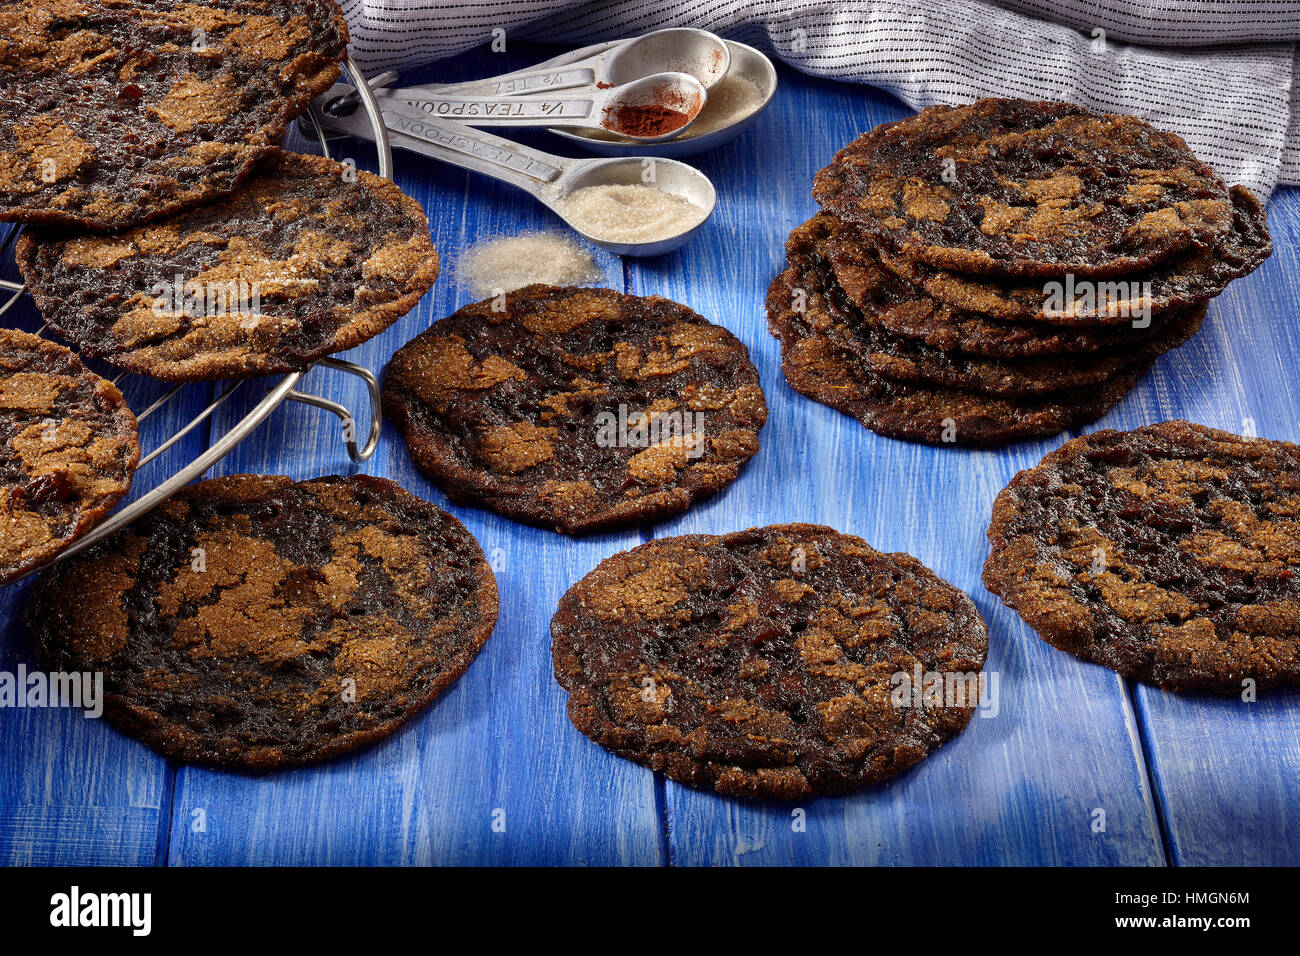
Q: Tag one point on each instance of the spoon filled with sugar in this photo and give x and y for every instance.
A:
(633, 206)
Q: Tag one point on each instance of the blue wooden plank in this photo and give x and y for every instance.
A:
(498, 744)
(1227, 772)
(1019, 787)
(72, 790)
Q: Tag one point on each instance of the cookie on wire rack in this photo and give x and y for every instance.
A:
(68, 450)
(113, 113)
(307, 258)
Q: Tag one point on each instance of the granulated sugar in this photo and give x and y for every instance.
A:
(729, 102)
(516, 261)
(635, 213)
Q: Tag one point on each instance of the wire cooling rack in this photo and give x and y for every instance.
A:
(285, 389)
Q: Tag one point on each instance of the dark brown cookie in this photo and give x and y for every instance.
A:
(306, 258)
(578, 409)
(113, 113)
(1186, 279)
(1170, 554)
(909, 310)
(860, 332)
(774, 662)
(68, 449)
(1029, 189)
(816, 366)
(255, 622)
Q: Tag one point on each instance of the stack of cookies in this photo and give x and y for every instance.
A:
(1005, 270)
(168, 233)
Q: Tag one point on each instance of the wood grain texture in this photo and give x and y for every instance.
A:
(1227, 772)
(497, 745)
(1018, 787)
(1021, 786)
(73, 790)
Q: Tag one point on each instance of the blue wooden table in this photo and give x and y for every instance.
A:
(1074, 766)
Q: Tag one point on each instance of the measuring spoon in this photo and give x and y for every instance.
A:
(614, 110)
(550, 179)
(701, 54)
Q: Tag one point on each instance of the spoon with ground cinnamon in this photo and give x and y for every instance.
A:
(649, 109)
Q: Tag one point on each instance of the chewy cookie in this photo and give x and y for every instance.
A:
(68, 449)
(860, 331)
(1027, 189)
(255, 622)
(1169, 554)
(825, 366)
(1187, 279)
(579, 409)
(307, 258)
(113, 113)
(764, 663)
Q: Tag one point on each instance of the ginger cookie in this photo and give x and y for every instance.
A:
(1170, 554)
(1028, 189)
(860, 332)
(113, 113)
(782, 662)
(815, 364)
(577, 409)
(254, 622)
(307, 258)
(1184, 280)
(68, 449)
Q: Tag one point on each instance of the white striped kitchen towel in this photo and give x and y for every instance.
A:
(1222, 73)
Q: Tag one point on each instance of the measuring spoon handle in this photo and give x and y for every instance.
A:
(532, 170)
(504, 111)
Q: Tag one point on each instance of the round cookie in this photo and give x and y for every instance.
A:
(307, 258)
(860, 332)
(771, 662)
(68, 449)
(255, 622)
(578, 409)
(1186, 279)
(113, 113)
(1028, 189)
(1169, 554)
(818, 367)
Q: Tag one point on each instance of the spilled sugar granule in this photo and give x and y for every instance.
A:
(513, 262)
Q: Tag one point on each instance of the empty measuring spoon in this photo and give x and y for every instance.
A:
(701, 54)
(647, 109)
(551, 179)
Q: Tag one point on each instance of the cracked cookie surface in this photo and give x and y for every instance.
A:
(68, 449)
(113, 113)
(254, 622)
(305, 259)
(1186, 279)
(1170, 554)
(1030, 189)
(763, 663)
(578, 409)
